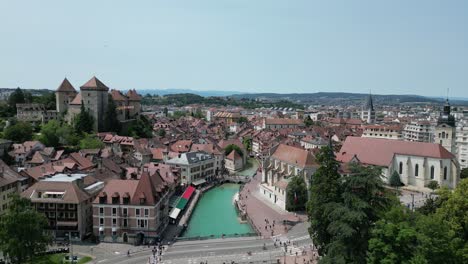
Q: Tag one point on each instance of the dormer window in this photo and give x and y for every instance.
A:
(103, 198)
(115, 198)
(142, 200)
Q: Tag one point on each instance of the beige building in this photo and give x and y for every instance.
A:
(10, 183)
(382, 131)
(35, 113)
(418, 131)
(196, 167)
(278, 169)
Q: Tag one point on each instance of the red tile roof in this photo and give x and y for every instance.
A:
(94, 84)
(117, 95)
(380, 152)
(294, 156)
(233, 155)
(66, 86)
(133, 95)
(76, 100)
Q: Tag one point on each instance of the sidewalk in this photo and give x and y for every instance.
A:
(263, 214)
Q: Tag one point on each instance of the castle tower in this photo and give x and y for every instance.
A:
(446, 129)
(368, 112)
(64, 95)
(94, 95)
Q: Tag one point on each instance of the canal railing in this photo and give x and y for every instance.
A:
(215, 236)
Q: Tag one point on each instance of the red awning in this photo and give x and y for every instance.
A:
(188, 192)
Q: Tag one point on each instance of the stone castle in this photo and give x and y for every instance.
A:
(94, 95)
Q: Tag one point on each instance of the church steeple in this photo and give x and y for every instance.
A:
(445, 116)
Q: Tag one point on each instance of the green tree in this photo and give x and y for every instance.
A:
(16, 97)
(433, 185)
(242, 120)
(308, 121)
(464, 173)
(141, 128)
(48, 135)
(91, 142)
(402, 236)
(454, 211)
(395, 180)
(247, 142)
(162, 132)
(231, 147)
(111, 123)
(296, 194)
(19, 132)
(325, 190)
(22, 232)
(84, 121)
(165, 111)
(363, 201)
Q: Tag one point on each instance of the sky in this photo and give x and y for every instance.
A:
(386, 47)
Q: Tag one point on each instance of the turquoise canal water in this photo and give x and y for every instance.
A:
(215, 214)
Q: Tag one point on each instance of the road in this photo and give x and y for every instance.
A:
(219, 250)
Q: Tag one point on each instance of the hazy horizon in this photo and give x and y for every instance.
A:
(264, 46)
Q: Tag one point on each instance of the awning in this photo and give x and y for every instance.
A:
(188, 192)
(62, 223)
(175, 213)
(182, 203)
(101, 228)
(198, 182)
(114, 229)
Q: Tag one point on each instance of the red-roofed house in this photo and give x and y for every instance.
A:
(132, 211)
(278, 169)
(417, 163)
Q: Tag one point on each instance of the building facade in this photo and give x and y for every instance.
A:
(382, 131)
(445, 131)
(368, 111)
(278, 169)
(419, 131)
(195, 167)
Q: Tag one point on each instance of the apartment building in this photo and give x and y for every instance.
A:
(461, 142)
(10, 183)
(382, 131)
(419, 131)
(196, 167)
(132, 211)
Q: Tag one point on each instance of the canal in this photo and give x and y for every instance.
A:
(215, 214)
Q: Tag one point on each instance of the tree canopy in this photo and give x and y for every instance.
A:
(19, 132)
(229, 148)
(111, 122)
(16, 97)
(84, 121)
(296, 194)
(395, 180)
(140, 128)
(90, 142)
(22, 231)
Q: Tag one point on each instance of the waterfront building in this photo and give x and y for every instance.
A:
(417, 163)
(195, 167)
(278, 169)
(132, 211)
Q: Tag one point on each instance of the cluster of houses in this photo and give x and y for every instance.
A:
(129, 190)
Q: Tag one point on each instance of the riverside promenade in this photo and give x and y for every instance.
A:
(267, 218)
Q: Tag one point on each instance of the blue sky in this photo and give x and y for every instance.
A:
(389, 47)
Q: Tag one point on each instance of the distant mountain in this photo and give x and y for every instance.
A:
(325, 98)
(185, 91)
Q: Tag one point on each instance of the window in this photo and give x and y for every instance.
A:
(416, 170)
(401, 167)
(71, 206)
(137, 212)
(146, 212)
(125, 224)
(101, 221)
(114, 221)
(114, 211)
(432, 172)
(101, 210)
(445, 173)
(125, 211)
